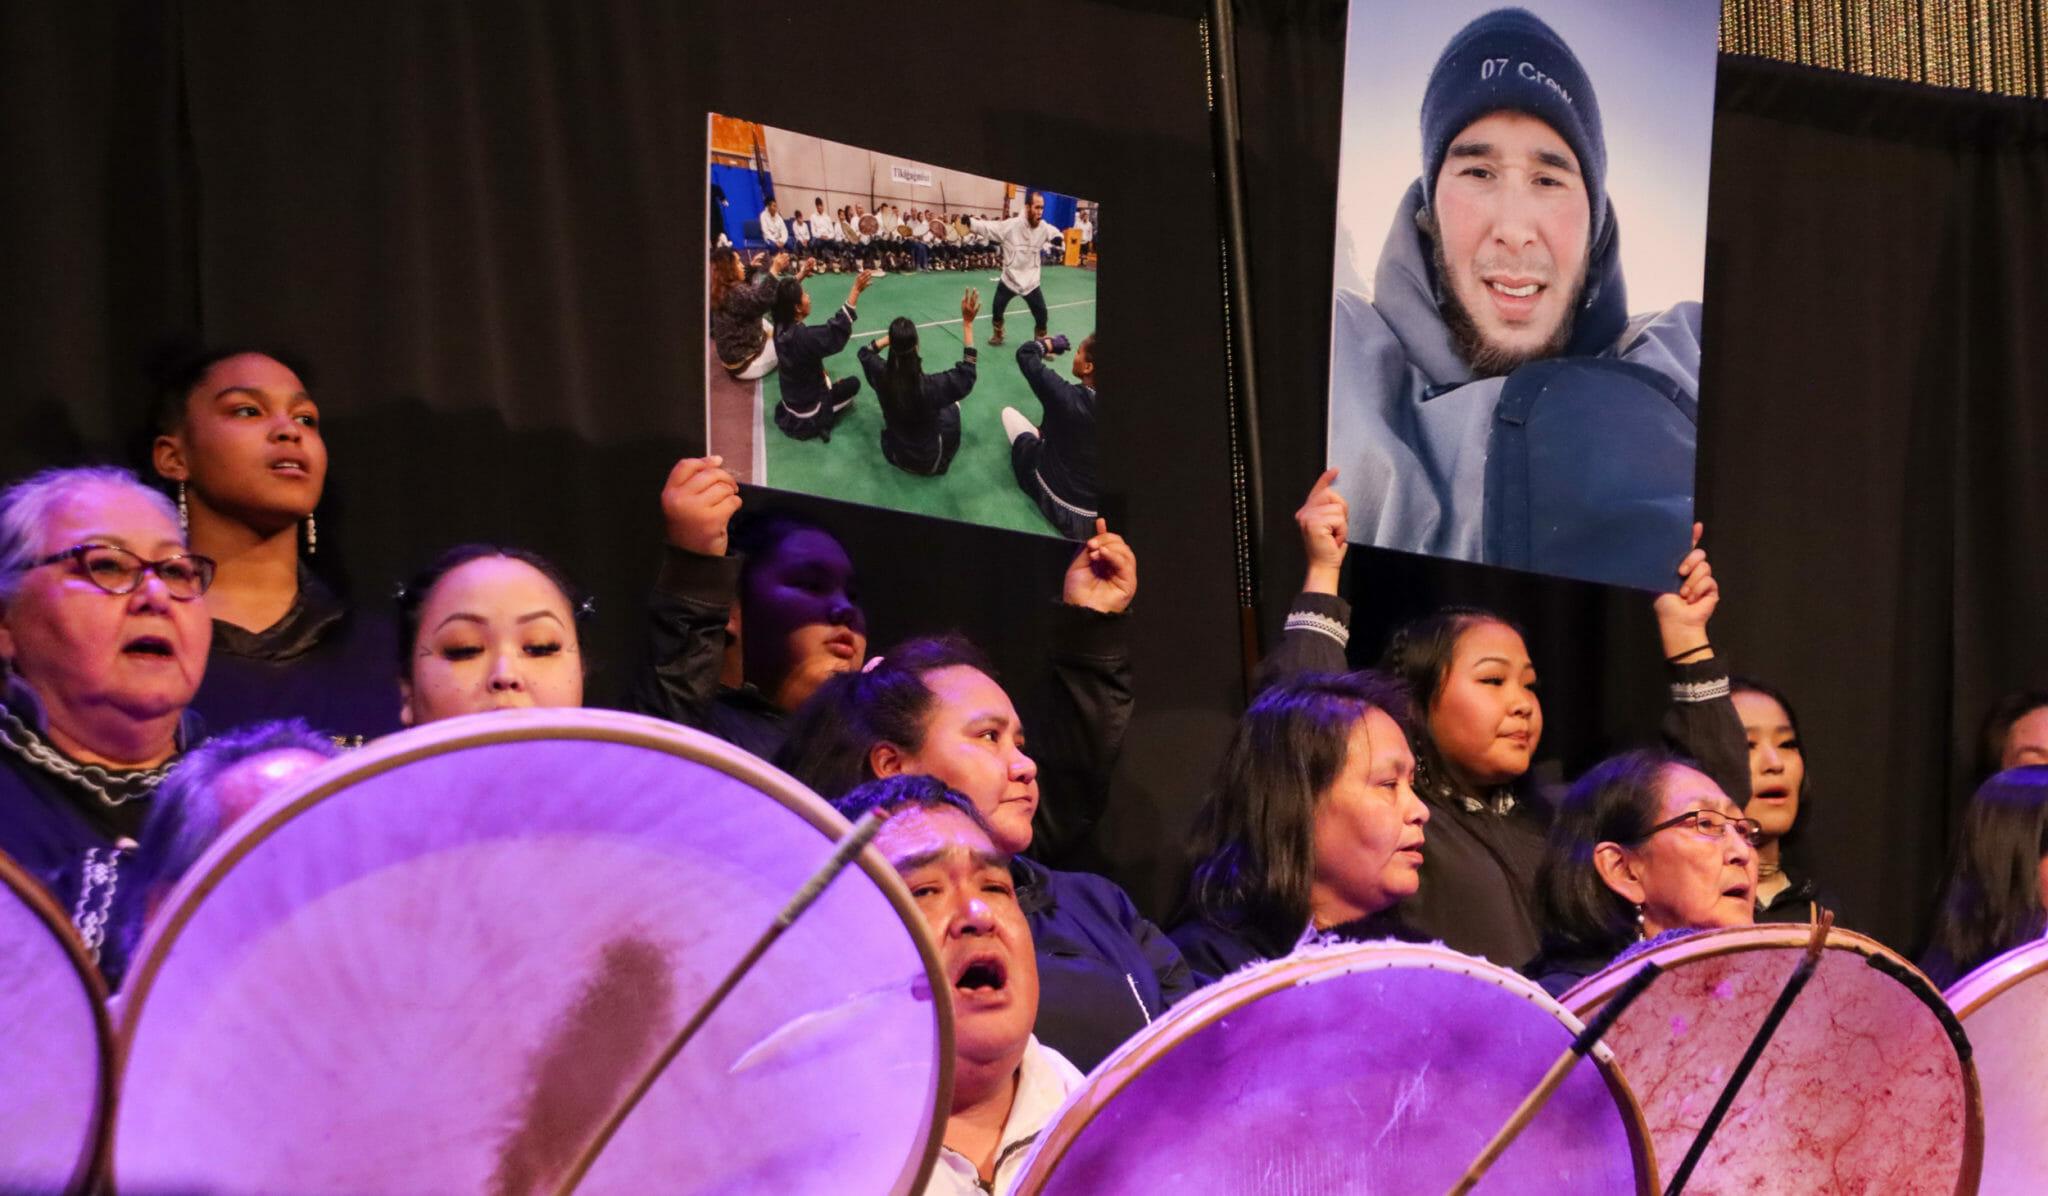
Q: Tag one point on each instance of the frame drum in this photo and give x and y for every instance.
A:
(1371, 1067)
(2004, 1006)
(56, 1048)
(1867, 1086)
(436, 965)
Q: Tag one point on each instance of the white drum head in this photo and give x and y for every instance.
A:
(436, 965)
(1382, 1068)
(2004, 1006)
(1861, 1090)
(56, 1049)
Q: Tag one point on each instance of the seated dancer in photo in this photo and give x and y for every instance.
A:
(211, 789)
(774, 229)
(1996, 895)
(1778, 800)
(930, 707)
(1644, 845)
(238, 434)
(739, 302)
(1055, 463)
(921, 412)
(1006, 1083)
(1478, 724)
(1311, 828)
(104, 632)
(487, 627)
(1022, 239)
(811, 401)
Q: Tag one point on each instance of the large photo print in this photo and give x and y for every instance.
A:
(893, 333)
(1521, 239)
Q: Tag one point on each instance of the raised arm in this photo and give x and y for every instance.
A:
(1701, 721)
(693, 596)
(1318, 627)
(1080, 733)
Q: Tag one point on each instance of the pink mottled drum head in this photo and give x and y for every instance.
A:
(870, 226)
(938, 228)
(56, 1049)
(436, 964)
(2004, 1006)
(1379, 1067)
(1861, 1090)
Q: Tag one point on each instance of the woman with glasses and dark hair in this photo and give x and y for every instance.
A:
(238, 435)
(1996, 894)
(1644, 845)
(105, 635)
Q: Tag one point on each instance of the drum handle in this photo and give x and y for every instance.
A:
(1800, 975)
(849, 847)
(1534, 1102)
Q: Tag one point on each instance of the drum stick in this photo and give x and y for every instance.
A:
(1800, 975)
(1552, 1079)
(849, 847)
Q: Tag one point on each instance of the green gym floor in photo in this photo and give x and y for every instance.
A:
(979, 487)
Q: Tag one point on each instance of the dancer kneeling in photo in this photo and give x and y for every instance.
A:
(922, 411)
(811, 401)
(1006, 1083)
(1055, 463)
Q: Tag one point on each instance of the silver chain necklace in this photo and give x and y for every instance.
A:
(112, 788)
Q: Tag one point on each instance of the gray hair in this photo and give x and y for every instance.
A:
(26, 506)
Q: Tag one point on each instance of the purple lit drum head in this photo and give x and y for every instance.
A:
(2004, 1006)
(1371, 1068)
(56, 1050)
(436, 964)
(1861, 1090)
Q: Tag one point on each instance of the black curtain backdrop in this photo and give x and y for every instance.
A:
(1874, 421)
(481, 223)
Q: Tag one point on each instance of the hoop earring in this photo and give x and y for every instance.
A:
(312, 537)
(184, 513)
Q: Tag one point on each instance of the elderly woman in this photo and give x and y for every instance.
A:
(105, 636)
(1645, 844)
(1313, 826)
(1992, 900)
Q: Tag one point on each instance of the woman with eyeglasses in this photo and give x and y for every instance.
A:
(104, 632)
(1644, 845)
(239, 437)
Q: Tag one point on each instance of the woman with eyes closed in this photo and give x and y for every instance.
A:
(1312, 826)
(931, 708)
(1478, 724)
(1643, 846)
(239, 436)
(487, 628)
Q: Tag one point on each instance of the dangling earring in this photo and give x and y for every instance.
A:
(1641, 933)
(312, 537)
(184, 513)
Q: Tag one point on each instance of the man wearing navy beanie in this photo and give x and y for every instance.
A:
(1502, 273)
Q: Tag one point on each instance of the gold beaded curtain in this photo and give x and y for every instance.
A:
(1985, 45)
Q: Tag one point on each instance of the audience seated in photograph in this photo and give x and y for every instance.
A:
(811, 401)
(1995, 897)
(1643, 846)
(211, 789)
(1054, 463)
(237, 433)
(1312, 827)
(104, 632)
(1478, 724)
(1006, 1083)
(920, 411)
(488, 627)
(739, 302)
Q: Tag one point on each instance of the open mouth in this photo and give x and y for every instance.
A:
(1772, 793)
(290, 466)
(1738, 892)
(1526, 290)
(149, 645)
(985, 974)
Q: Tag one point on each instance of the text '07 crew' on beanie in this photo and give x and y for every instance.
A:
(1510, 61)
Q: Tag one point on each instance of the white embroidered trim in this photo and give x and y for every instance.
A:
(1699, 691)
(1057, 501)
(1308, 620)
(97, 880)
